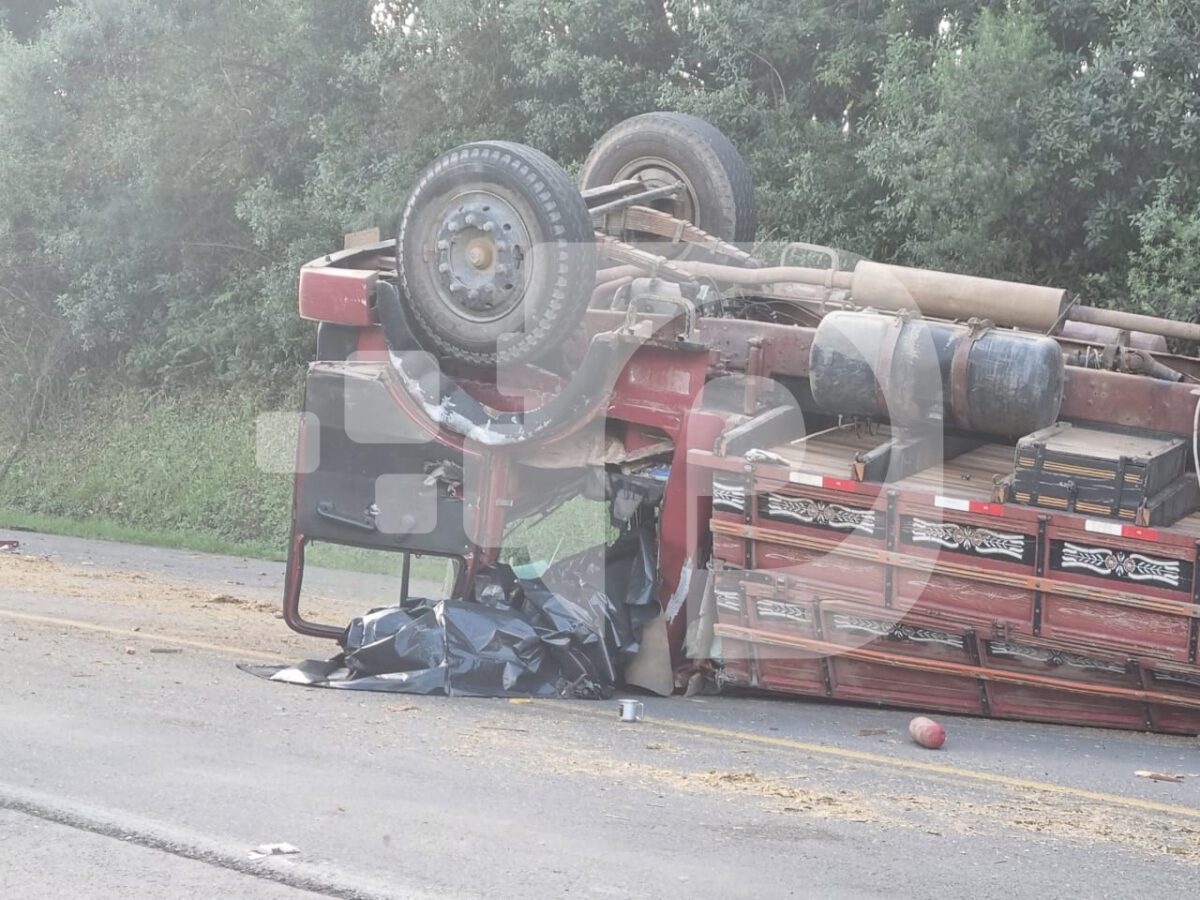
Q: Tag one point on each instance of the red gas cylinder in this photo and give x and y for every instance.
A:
(927, 732)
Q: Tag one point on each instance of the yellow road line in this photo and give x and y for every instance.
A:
(888, 762)
(223, 649)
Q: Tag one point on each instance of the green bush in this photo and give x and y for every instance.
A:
(166, 167)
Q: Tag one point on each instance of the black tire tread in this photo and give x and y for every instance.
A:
(558, 196)
(738, 201)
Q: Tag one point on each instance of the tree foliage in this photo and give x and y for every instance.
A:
(167, 165)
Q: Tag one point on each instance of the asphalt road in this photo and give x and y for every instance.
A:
(144, 763)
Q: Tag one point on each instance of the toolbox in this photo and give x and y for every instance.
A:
(1103, 473)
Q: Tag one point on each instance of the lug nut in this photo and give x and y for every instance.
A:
(489, 226)
(444, 267)
(470, 219)
(472, 295)
(443, 245)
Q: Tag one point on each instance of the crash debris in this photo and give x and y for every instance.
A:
(1159, 776)
(927, 733)
(281, 849)
(630, 710)
(565, 633)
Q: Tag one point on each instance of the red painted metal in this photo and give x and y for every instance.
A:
(372, 345)
(1128, 401)
(658, 387)
(881, 618)
(343, 296)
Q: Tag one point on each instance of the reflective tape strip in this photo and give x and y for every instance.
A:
(952, 503)
(822, 481)
(971, 506)
(805, 478)
(1116, 529)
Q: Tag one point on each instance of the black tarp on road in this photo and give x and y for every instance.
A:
(567, 633)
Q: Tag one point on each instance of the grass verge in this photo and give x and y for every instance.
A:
(108, 530)
(182, 473)
(329, 556)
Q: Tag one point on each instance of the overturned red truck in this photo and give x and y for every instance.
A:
(865, 482)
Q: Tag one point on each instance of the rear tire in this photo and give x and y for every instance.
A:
(660, 147)
(496, 254)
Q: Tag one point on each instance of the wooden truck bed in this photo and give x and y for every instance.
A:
(925, 592)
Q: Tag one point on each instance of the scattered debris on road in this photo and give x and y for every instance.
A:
(1158, 776)
(926, 732)
(265, 850)
(559, 634)
(166, 649)
(10, 545)
(630, 710)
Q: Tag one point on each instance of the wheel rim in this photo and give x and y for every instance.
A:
(655, 172)
(481, 255)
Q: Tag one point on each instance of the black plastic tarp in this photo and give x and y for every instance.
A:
(567, 633)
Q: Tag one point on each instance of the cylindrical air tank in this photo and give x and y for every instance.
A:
(915, 373)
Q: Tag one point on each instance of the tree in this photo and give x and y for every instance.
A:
(1032, 143)
(953, 140)
(165, 118)
(167, 165)
(25, 18)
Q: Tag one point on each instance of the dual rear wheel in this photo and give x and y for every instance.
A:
(497, 253)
